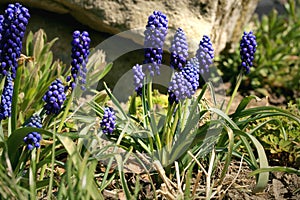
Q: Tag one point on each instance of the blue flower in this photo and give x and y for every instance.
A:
(191, 73)
(247, 50)
(1, 28)
(205, 54)
(108, 122)
(6, 98)
(155, 33)
(80, 53)
(179, 88)
(33, 138)
(14, 25)
(179, 50)
(54, 97)
(138, 78)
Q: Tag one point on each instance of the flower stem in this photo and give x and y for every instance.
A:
(17, 82)
(66, 112)
(237, 85)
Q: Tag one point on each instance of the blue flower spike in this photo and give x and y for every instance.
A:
(155, 34)
(54, 97)
(108, 122)
(247, 50)
(138, 78)
(191, 73)
(179, 50)
(12, 29)
(6, 98)
(205, 54)
(80, 53)
(33, 139)
(179, 88)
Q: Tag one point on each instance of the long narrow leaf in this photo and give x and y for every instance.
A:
(263, 177)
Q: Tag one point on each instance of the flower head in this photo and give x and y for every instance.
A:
(6, 98)
(54, 97)
(138, 78)
(155, 33)
(179, 50)
(14, 25)
(205, 54)
(1, 28)
(179, 88)
(33, 138)
(191, 73)
(108, 122)
(80, 53)
(247, 50)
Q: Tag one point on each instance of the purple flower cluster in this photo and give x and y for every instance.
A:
(179, 88)
(138, 78)
(247, 50)
(1, 28)
(6, 98)
(108, 122)
(80, 53)
(14, 24)
(54, 97)
(155, 33)
(33, 138)
(191, 73)
(205, 54)
(179, 50)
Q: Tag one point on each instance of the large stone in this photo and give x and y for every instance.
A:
(223, 20)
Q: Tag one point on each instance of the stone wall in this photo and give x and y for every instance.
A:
(223, 20)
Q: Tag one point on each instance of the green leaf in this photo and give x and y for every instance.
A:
(15, 140)
(243, 104)
(122, 177)
(263, 178)
(38, 43)
(29, 44)
(116, 102)
(105, 71)
(276, 169)
(268, 111)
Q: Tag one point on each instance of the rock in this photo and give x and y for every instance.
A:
(222, 20)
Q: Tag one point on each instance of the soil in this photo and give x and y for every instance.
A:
(281, 185)
(237, 184)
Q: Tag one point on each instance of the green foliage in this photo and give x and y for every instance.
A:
(37, 74)
(58, 168)
(172, 140)
(277, 63)
(281, 138)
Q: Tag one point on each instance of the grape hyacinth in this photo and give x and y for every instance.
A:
(80, 53)
(1, 28)
(179, 88)
(33, 138)
(6, 98)
(108, 122)
(179, 50)
(54, 97)
(155, 33)
(205, 54)
(247, 50)
(14, 25)
(138, 78)
(191, 73)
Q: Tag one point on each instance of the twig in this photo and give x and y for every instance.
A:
(162, 174)
(238, 173)
(199, 175)
(208, 176)
(167, 194)
(202, 168)
(178, 177)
